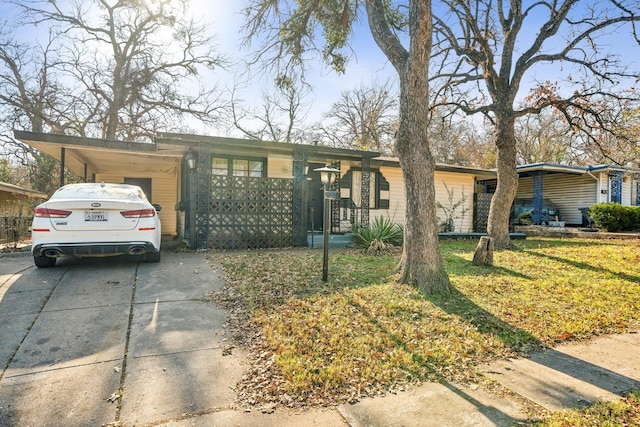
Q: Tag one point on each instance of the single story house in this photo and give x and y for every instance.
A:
(16, 201)
(230, 193)
(16, 205)
(573, 188)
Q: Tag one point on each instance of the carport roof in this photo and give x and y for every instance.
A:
(93, 155)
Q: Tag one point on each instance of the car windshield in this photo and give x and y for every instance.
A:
(98, 192)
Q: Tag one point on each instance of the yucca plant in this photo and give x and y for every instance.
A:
(380, 237)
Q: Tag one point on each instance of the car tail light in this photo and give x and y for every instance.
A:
(50, 213)
(139, 213)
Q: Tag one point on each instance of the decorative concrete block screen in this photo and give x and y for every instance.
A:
(250, 213)
(481, 211)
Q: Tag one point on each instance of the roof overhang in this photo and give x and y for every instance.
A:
(528, 170)
(259, 148)
(14, 189)
(441, 167)
(93, 156)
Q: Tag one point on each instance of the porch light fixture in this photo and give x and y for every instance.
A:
(327, 177)
(191, 159)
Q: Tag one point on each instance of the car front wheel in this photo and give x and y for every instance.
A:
(44, 261)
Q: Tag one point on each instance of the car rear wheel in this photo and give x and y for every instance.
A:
(153, 256)
(44, 261)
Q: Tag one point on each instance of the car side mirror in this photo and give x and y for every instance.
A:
(157, 207)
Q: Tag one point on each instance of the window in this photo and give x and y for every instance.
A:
(220, 166)
(238, 167)
(247, 168)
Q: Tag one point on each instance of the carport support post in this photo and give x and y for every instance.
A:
(62, 154)
(538, 195)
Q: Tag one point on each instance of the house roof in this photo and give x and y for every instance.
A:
(93, 155)
(443, 167)
(14, 189)
(526, 170)
(259, 147)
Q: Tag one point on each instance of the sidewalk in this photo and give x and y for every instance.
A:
(568, 376)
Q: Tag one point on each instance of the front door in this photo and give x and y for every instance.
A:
(316, 197)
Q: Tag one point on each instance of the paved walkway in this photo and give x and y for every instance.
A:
(86, 332)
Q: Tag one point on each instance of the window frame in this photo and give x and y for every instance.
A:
(230, 168)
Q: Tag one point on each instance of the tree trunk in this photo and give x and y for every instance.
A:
(421, 264)
(500, 209)
(484, 252)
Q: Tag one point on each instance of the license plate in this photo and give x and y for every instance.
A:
(95, 216)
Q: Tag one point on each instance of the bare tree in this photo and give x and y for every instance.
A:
(364, 118)
(544, 137)
(485, 48)
(30, 96)
(130, 59)
(291, 32)
(279, 117)
(618, 144)
(457, 141)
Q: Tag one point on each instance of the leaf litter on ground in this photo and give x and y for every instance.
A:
(361, 334)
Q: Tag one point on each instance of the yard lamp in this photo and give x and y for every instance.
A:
(327, 177)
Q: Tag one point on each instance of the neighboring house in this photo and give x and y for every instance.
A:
(230, 193)
(573, 188)
(16, 206)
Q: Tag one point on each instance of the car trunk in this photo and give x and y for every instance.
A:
(94, 215)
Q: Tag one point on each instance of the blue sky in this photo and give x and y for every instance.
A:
(225, 20)
(366, 66)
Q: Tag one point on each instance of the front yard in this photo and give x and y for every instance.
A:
(361, 334)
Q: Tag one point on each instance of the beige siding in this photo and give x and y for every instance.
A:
(165, 188)
(16, 205)
(280, 166)
(567, 192)
(603, 185)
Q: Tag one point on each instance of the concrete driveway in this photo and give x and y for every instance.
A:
(75, 337)
(118, 342)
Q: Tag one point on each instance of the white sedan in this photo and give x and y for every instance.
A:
(95, 220)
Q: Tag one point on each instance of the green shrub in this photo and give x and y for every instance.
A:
(615, 217)
(379, 237)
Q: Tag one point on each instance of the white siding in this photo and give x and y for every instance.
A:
(458, 184)
(626, 191)
(455, 182)
(567, 192)
(397, 203)
(164, 186)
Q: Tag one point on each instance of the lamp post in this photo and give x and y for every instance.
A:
(327, 177)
